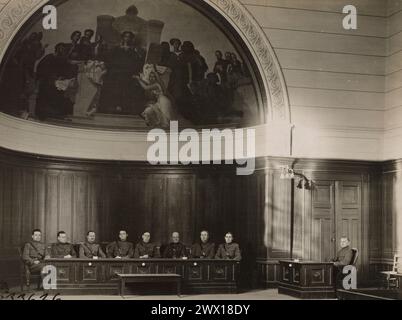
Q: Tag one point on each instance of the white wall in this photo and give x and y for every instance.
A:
(393, 84)
(335, 77)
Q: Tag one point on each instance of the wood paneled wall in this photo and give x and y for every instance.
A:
(387, 224)
(78, 195)
(385, 229)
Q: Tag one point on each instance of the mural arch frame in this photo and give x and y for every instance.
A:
(15, 13)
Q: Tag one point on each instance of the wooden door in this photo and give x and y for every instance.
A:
(336, 213)
(323, 221)
(348, 212)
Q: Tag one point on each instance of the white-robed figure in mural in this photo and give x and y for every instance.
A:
(159, 110)
(90, 80)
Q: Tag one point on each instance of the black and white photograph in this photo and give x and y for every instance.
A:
(175, 151)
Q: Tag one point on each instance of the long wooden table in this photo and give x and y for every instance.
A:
(151, 278)
(100, 276)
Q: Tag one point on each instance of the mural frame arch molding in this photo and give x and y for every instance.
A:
(14, 13)
(264, 56)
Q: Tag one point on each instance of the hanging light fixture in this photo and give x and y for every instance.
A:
(300, 184)
(289, 174)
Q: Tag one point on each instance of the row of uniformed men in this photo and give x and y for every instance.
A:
(36, 251)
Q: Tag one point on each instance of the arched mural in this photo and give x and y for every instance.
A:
(133, 64)
(17, 17)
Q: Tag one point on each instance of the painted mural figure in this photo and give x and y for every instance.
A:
(19, 85)
(188, 76)
(73, 48)
(131, 22)
(86, 47)
(159, 110)
(82, 55)
(120, 93)
(55, 75)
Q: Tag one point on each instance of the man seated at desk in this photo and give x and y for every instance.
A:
(229, 249)
(34, 252)
(345, 255)
(121, 249)
(89, 249)
(146, 249)
(62, 249)
(343, 258)
(203, 249)
(175, 249)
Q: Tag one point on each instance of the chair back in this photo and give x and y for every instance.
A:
(24, 269)
(76, 247)
(20, 251)
(104, 246)
(162, 249)
(108, 249)
(25, 273)
(355, 256)
(188, 251)
(397, 265)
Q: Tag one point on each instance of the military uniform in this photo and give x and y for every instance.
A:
(175, 250)
(343, 257)
(119, 248)
(60, 250)
(90, 250)
(203, 250)
(34, 251)
(228, 251)
(142, 249)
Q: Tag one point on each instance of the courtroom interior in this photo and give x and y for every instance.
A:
(79, 196)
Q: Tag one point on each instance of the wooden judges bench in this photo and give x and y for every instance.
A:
(90, 276)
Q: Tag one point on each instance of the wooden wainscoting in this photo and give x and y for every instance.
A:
(77, 195)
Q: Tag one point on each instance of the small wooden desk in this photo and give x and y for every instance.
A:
(307, 279)
(150, 278)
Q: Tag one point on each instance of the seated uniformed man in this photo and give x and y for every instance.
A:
(120, 249)
(34, 252)
(343, 258)
(229, 249)
(62, 249)
(203, 249)
(146, 249)
(90, 249)
(175, 249)
(345, 255)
